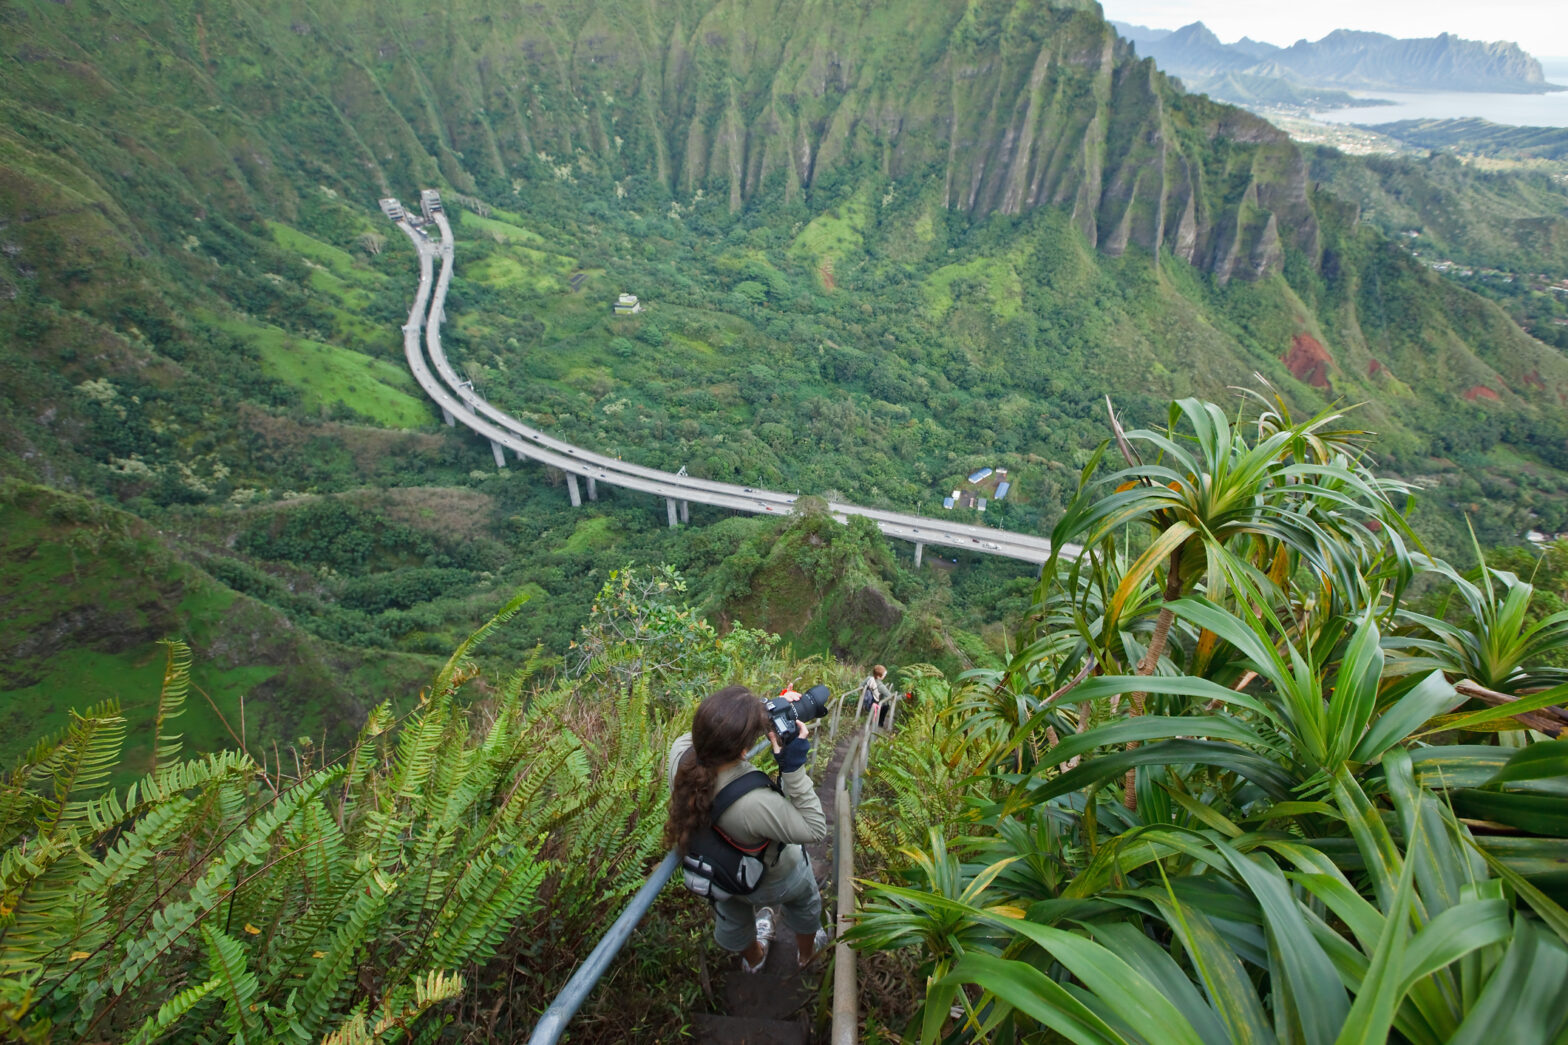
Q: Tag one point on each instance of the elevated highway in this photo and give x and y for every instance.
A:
(460, 404)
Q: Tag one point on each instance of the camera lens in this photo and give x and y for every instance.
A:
(813, 703)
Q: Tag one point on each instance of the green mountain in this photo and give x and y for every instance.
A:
(882, 244)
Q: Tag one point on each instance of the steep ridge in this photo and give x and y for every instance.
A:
(1016, 105)
(149, 157)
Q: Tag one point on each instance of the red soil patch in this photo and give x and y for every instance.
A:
(1481, 392)
(1375, 368)
(825, 272)
(1308, 360)
(1533, 379)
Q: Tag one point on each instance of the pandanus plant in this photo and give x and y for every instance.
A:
(1220, 511)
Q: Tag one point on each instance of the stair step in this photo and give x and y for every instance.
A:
(747, 1030)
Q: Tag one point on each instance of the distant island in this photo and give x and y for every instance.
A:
(1318, 74)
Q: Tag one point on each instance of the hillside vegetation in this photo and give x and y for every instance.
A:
(1240, 781)
(881, 245)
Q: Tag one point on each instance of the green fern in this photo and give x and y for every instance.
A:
(341, 905)
(171, 700)
(401, 1010)
(236, 983)
(172, 922)
(82, 764)
(328, 978)
(172, 1012)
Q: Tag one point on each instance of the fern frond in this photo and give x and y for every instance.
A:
(319, 992)
(83, 763)
(37, 894)
(491, 894)
(171, 700)
(399, 1012)
(19, 804)
(237, 985)
(171, 1012)
(451, 674)
(175, 921)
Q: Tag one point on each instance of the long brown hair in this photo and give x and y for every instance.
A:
(725, 725)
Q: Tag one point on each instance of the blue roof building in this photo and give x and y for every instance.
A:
(1002, 488)
(947, 502)
(981, 474)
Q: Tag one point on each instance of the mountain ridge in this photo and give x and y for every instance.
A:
(878, 252)
(1345, 58)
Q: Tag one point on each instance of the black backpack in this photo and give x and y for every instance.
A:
(715, 866)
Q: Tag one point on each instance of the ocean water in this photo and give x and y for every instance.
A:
(1522, 110)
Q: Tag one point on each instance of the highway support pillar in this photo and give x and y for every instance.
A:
(446, 415)
(593, 490)
(520, 457)
(669, 502)
(571, 489)
(920, 550)
(685, 512)
(500, 454)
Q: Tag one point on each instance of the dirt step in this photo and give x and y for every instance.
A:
(778, 992)
(748, 1030)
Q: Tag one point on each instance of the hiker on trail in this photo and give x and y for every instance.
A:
(768, 821)
(876, 697)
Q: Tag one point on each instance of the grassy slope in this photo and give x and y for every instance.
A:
(93, 590)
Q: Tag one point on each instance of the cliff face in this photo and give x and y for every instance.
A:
(1015, 105)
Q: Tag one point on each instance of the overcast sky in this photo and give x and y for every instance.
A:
(1538, 26)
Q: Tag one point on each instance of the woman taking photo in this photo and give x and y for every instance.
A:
(778, 822)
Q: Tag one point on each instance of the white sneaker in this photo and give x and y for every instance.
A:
(764, 937)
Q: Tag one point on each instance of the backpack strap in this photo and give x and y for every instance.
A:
(729, 794)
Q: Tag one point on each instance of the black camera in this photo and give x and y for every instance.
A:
(786, 715)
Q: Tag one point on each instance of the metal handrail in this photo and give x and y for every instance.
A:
(552, 1024)
(586, 977)
(846, 802)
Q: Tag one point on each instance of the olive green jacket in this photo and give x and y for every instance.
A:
(765, 815)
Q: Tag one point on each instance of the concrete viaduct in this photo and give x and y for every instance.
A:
(460, 404)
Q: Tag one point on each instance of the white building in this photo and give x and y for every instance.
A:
(627, 305)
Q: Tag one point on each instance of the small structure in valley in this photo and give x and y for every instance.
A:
(1002, 488)
(392, 208)
(430, 203)
(627, 305)
(980, 475)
